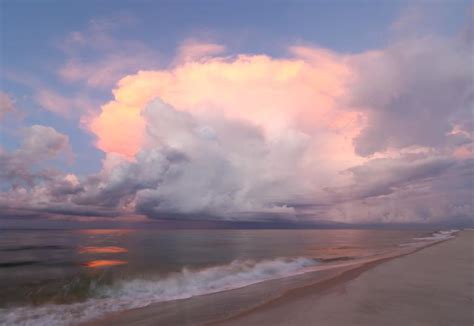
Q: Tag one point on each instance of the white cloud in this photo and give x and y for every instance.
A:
(382, 136)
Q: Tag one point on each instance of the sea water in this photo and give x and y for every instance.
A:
(65, 277)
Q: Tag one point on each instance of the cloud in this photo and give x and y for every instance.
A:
(380, 136)
(219, 167)
(104, 72)
(380, 177)
(425, 190)
(312, 116)
(66, 106)
(31, 187)
(273, 94)
(94, 60)
(414, 93)
(98, 59)
(193, 50)
(406, 105)
(39, 144)
(52, 101)
(7, 105)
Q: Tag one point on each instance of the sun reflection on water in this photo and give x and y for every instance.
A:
(101, 250)
(105, 231)
(104, 263)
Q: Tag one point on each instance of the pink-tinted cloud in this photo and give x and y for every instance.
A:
(66, 106)
(7, 104)
(98, 59)
(53, 101)
(102, 73)
(384, 135)
(193, 50)
(312, 116)
(274, 94)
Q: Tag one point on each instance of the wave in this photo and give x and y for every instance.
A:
(128, 294)
(439, 235)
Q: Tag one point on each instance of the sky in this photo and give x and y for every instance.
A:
(284, 112)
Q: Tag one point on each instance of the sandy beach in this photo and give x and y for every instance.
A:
(432, 286)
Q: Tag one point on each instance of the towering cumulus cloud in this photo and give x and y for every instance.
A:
(380, 136)
(246, 135)
(272, 94)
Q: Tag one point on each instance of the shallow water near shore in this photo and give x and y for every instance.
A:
(64, 277)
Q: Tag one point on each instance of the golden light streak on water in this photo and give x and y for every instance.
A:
(104, 263)
(101, 250)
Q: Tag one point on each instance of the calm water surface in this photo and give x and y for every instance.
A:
(59, 265)
(122, 268)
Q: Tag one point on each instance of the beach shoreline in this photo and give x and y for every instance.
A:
(349, 299)
(207, 309)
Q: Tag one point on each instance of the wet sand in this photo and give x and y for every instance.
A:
(432, 286)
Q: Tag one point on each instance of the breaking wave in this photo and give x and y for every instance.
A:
(128, 294)
(440, 235)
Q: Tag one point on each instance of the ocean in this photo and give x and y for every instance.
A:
(66, 277)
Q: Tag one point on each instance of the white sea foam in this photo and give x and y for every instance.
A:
(435, 237)
(439, 235)
(136, 293)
